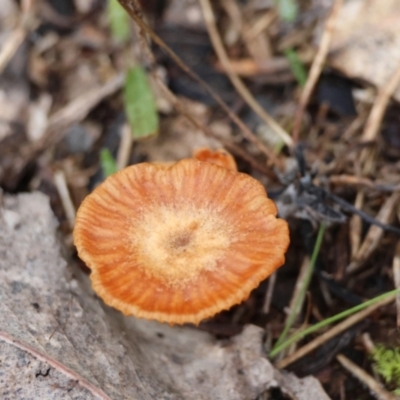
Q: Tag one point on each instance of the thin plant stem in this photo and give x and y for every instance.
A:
(300, 335)
(300, 299)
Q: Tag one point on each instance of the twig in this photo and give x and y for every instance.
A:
(260, 25)
(134, 12)
(356, 225)
(375, 117)
(378, 109)
(27, 23)
(58, 366)
(375, 387)
(352, 180)
(178, 104)
(375, 232)
(368, 343)
(384, 215)
(346, 324)
(62, 189)
(181, 108)
(269, 293)
(125, 147)
(236, 81)
(76, 111)
(316, 68)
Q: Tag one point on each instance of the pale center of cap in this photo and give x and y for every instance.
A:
(176, 244)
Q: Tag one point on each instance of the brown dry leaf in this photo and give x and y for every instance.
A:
(57, 341)
(366, 42)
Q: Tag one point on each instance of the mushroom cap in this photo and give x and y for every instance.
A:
(179, 243)
(219, 157)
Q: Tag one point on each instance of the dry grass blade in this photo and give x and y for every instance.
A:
(299, 284)
(316, 68)
(375, 387)
(269, 293)
(375, 117)
(375, 233)
(378, 110)
(341, 327)
(352, 180)
(236, 81)
(77, 110)
(229, 145)
(356, 226)
(26, 24)
(297, 300)
(125, 147)
(62, 189)
(133, 9)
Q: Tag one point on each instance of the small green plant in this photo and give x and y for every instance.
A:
(118, 20)
(107, 162)
(287, 9)
(140, 104)
(296, 66)
(387, 364)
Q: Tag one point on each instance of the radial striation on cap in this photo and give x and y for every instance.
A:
(219, 157)
(181, 242)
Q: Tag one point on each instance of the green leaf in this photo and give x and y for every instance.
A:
(118, 20)
(140, 106)
(287, 9)
(296, 66)
(107, 162)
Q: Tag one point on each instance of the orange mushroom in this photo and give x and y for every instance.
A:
(179, 243)
(219, 157)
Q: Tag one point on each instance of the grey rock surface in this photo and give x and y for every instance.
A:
(58, 340)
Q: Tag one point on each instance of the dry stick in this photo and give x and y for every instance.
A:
(236, 81)
(352, 180)
(370, 134)
(377, 113)
(125, 147)
(180, 107)
(376, 388)
(356, 226)
(260, 25)
(269, 293)
(58, 366)
(316, 68)
(258, 46)
(368, 343)
(76, 111)
(134, 12)
(66, 201)
(375, 233)
(378, 110)
(396, 278)
(235, 14)
(344, 325)
(27, 23)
